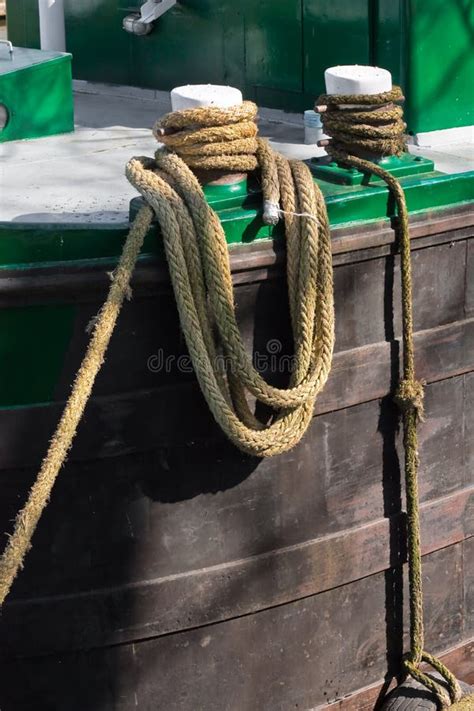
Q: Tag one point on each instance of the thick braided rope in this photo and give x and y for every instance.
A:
(219, 281)
(312, 290)
(211, 138)
(409, 394)
(464, 704)
(355, 129)
(208, 116)
(27, 519)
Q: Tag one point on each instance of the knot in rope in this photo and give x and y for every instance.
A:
(363, 123)
(409, 397)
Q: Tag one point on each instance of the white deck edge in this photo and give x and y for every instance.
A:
(443, 137)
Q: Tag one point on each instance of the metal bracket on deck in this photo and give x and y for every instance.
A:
(142, 23)
(8, 44)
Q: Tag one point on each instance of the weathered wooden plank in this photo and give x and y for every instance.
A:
(421, 226)
(373, 287)
(234, 506)
(470, 279)
(440, 353)
(468, 573)
(149, 324)
(238, 587)
(177, 414)
(299, 655)
(148, 347)
(468, 426)
(352, 243)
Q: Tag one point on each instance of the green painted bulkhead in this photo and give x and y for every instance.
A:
(277, 50)
(36, 90)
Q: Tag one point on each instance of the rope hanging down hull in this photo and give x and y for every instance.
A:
(373, 127)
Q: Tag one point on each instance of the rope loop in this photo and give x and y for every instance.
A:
(385, 97)
(445, 697)
(198, 261)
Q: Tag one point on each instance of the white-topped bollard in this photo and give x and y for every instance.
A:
(357, 79)
(193, 95)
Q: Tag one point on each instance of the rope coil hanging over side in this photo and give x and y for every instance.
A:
(373, 126)
(177, 199)
(199, 267)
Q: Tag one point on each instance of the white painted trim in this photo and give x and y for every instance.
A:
(443, 137)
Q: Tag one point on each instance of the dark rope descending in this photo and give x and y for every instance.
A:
(371, 128)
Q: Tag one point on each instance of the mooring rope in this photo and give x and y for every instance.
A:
(369, 122)
(27, 519)
(198, 261)
(374, 125)
(199, 267)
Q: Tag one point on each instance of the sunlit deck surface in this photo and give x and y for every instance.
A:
(79, 177)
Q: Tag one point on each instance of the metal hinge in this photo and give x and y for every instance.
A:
(142, 23)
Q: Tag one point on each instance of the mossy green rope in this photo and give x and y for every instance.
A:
(349, 147)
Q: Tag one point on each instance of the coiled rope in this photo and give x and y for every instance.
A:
(211, 138)
(199, 267)
(374, 125)
(369, 122)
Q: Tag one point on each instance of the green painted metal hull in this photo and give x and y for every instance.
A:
(277, 50)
